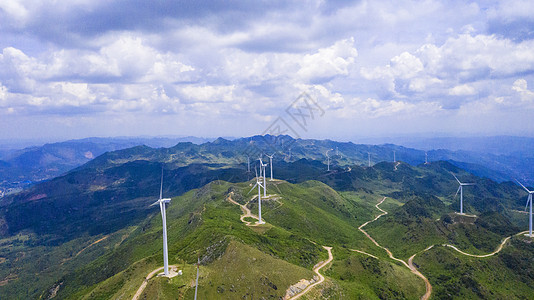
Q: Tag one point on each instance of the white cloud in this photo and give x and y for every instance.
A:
(521, 87)
(462, 90)
(328, 62)
(208, 93)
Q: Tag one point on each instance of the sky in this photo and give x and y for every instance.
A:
(311, 69)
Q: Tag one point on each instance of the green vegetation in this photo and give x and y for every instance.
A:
(91, 234)
(508, 275)
(364, 277)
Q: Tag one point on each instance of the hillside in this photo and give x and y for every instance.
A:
(92, 234)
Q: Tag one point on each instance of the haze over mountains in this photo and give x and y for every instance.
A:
(498, 158)
(90, 233)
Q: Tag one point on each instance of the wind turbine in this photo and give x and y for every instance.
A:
(461, 190)
(328, 158)
(258, 183)
(369, 158)
(529, 199)
(394, 159)
(162, 201)
(196, 285)
(262, 171)
(248, 163)
(271, 162)
(426, 158)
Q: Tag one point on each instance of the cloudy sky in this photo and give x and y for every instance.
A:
(79, 68)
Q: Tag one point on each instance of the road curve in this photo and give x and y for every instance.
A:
(409, 265)
(145, 282)
(499, 248)
(414, 270)
(246, 211)
(316, 270)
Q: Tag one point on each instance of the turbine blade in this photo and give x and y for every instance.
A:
(161, 187)
(522, 186)
(456, 178)
(528, 200)
(457, 191)
(155, 203)
(252, 188)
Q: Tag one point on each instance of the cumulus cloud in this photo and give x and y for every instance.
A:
(462, 90)
(521, 87)
(373, 59)
(328, 62)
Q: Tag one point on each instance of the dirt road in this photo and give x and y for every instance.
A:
(145, 282)
(316, 270)
(409, 265)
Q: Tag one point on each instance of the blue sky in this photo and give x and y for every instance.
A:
(73, 69)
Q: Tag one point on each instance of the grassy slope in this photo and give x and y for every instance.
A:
(364, 277)
(422, 222)
(200, 222)
(507, 275)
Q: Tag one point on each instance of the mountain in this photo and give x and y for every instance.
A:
(92, 234)
(19, 168)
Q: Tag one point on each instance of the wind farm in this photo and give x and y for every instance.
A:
(397, 135)
(402, 220)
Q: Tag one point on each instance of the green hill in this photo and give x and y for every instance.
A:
(92, 234)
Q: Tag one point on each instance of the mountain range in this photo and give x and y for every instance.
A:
(91, 234)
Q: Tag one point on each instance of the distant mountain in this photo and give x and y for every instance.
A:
(38, 163)
(23, 167)
(91, 233)
(497, 145)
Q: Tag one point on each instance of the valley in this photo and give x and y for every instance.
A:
(385, 231)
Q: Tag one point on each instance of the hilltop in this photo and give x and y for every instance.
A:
(93, 234)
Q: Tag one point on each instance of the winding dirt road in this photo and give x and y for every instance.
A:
(316, 270)
(414, 270)
(246, 211)
(409, 265)
(499, 248)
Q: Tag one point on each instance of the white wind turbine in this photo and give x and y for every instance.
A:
(394, 159)
(262, 174)
(426, 158)
(529, 199)
(271, 166)
(461, 190)
(248, 163)
(328, 159)
(369, 158)
(258, 183)
(162, 201)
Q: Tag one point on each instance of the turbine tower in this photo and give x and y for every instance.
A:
(369, 158)
(328, 159)
(162, 201)
(248, 163)
(426, 158)
(196, 285)
(271, 162)
(394, 159)
(258, 183)
(461, 190)
(529, 199)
